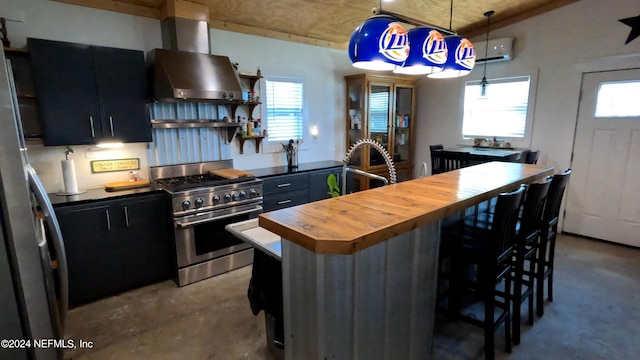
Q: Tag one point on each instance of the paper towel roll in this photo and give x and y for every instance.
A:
(69, 176)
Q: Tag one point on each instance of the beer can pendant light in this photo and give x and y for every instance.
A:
(379, 43)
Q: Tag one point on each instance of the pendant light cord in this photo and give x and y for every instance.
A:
(486, 45)
(451, 15)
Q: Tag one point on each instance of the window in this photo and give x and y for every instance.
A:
(379, 109)
(284, 110)
(618, 99)
(502, 113)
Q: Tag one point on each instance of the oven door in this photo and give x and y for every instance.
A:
(203, 237)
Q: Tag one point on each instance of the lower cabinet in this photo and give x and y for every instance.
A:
(283, 191)
(287, 190)
(116, 245)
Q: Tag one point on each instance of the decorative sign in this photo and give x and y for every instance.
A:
(100, 166)
(634, 23)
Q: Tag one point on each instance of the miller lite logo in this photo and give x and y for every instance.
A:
(434, 48)
(465, 55)
(394, 43)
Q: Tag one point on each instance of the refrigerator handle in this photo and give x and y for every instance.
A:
(58, 244)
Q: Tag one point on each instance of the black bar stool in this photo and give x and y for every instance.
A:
(548, 233)
(525, 250)
(490, 248)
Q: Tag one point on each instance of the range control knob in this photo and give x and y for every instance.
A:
(236, 197)
(243, 195)
(216, 199)
(253, 193)
(199, 202)
(186, 204)
(227, 197)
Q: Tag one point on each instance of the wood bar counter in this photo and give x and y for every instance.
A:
(359, 271)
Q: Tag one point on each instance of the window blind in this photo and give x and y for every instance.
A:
(284, 110)
(378, 112)
(503, 113)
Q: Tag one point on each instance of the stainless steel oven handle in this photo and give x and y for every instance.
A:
(190, 223)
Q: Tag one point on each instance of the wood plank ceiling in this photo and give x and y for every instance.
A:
(330, 22)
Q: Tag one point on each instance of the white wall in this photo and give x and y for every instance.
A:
(558, 45)
(322, 71)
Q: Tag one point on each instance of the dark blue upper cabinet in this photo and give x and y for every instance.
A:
(89, 94)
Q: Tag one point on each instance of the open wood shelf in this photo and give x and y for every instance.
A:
(257, 138)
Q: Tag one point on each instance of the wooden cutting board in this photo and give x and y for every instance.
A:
(125, 185)
(230, 173)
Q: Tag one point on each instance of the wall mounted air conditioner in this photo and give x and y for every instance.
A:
(499, 50)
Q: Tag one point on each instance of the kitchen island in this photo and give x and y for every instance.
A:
(360, 270)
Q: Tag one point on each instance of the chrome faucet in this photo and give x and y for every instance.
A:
(381, 150)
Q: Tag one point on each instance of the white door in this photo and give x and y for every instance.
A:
(604, 201)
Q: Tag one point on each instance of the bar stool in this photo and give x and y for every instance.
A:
(490, 248)
(525, 247)
(525, 250)
(548, 233)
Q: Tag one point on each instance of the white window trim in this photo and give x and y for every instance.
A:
(533, 87)
(268, 146)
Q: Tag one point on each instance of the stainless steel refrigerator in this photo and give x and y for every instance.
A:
(33, 293)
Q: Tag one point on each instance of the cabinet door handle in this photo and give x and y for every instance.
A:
(93, 131)
(284, 202)
(126, 216)
(108, 220)
(111, 125)
(284, 185)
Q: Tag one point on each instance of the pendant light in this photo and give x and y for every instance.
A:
(427, 52)
(461, 57)
(379, 43)
(484, 83)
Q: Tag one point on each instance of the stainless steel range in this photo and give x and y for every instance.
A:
(202, 205)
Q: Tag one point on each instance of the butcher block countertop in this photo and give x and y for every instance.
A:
(350, 223)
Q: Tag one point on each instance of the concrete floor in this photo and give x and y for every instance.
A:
(595, 315)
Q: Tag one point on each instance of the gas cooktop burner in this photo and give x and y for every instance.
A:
(197, 181)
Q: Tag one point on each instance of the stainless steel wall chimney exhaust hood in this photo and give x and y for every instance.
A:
(184, 70)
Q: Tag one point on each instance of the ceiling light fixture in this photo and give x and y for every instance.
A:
(381, 43)
(484, 83)
(427, 52)
(461, 57)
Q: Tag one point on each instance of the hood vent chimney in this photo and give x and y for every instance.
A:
(184, 69)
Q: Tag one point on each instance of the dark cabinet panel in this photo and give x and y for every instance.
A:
(146, 248)
(287, 190)
(286, 199)
(121, 85)
(66, 92)
(318, 187)
(116, 245)
(283, 183)
(87, 94)
(90, 245)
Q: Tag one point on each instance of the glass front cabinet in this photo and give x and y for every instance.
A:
(381, 108)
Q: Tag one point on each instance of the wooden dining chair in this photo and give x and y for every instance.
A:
(436, 167)
(548, 233)
(490, 248)
(450, 161)
(532, 157)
